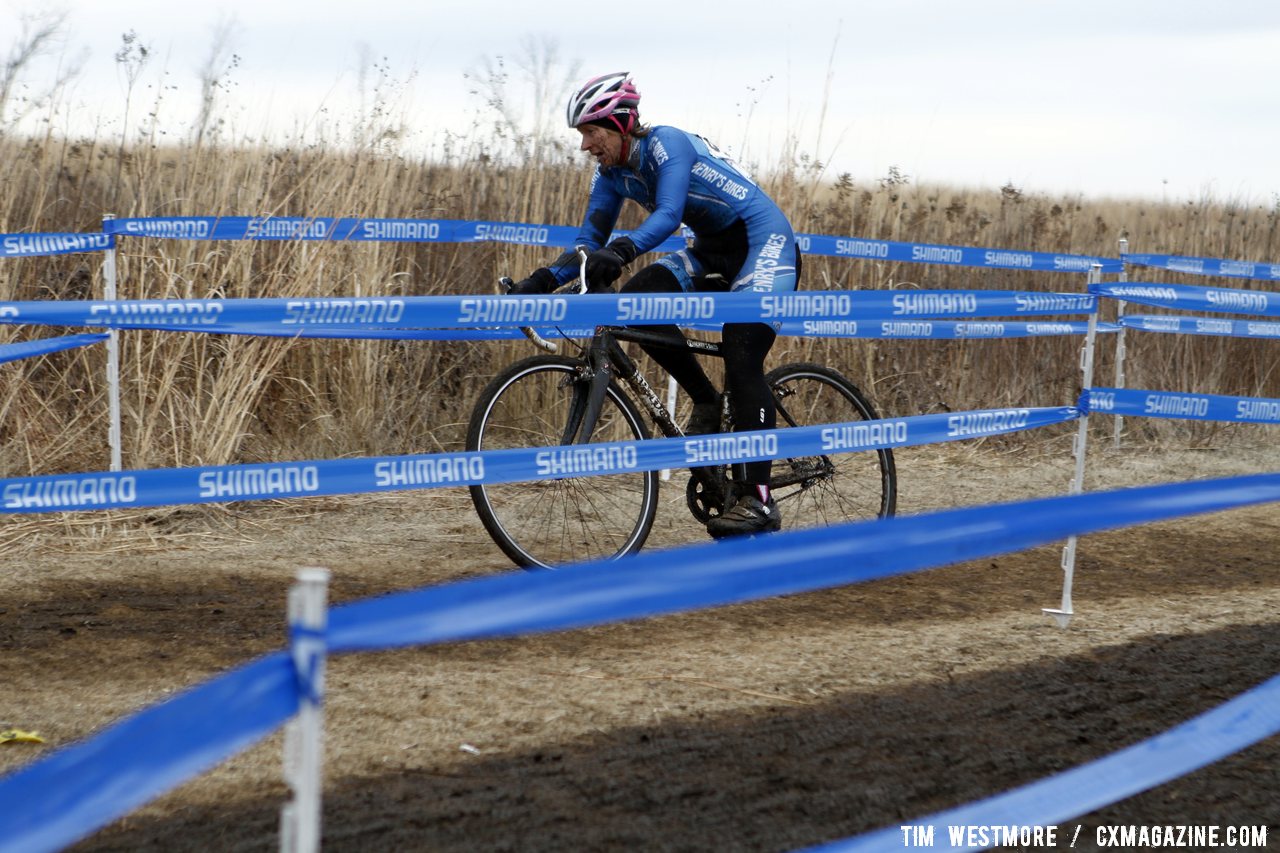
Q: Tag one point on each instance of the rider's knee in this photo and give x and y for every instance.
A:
(747, 344)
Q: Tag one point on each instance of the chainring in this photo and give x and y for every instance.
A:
(704, 503)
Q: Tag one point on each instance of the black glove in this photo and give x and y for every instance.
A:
(605, 265)
(541, 281)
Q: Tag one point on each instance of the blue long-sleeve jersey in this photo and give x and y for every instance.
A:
(680, 177)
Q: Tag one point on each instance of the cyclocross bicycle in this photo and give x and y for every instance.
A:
(599, 396)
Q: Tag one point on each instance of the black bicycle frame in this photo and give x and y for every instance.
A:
(606, 359)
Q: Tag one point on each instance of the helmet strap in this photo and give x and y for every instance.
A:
(625, 130)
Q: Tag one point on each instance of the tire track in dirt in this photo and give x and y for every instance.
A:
(781, 777)
(766, 725)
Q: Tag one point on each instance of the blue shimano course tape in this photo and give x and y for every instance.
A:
(1238, 723)
(322, 228)
(865, 328)
(1206, 266)
(1175, 324)
(29, 349)
(391, 312)
(65, 796)
(1181, 405)
(34, 245)
(225, 483)
(1186, 297)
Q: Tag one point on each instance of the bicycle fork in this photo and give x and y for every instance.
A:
(588, 401)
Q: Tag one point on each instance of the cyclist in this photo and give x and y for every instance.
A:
(742, 242)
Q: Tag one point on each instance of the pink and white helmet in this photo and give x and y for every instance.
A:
(611, 100)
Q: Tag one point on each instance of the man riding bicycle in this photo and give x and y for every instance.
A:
(742, 242)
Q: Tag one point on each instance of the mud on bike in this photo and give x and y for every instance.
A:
(599, 395)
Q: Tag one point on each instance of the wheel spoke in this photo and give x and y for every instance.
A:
(552, 522)
(821, 490)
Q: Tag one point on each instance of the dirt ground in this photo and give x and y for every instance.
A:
(767, 726)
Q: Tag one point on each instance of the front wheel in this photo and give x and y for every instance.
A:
(545, 523)
(828, 489)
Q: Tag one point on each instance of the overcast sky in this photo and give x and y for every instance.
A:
(1171, 99)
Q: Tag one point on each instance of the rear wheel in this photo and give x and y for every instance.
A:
(550, 522)
(828, 489)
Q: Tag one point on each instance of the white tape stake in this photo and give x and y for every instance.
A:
(672, 387)
(303, 735)
(1118, 421)
(1080, 448)
(113, 355)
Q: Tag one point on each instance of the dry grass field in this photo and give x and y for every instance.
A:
(766, 726)
(195, 399)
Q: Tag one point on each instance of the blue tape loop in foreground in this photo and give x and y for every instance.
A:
(77, 790)
(220, 484)
(1180, 405)
(1229, 728)
(732, 571)
(397, 312)
(1187, 297)
(1206, 266)
(29, 349)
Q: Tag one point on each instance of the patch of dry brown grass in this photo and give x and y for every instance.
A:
(208, 399)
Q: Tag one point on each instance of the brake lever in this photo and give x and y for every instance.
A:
(505, 284)
(504, 287)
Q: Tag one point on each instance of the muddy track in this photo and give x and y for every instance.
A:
(765, 726)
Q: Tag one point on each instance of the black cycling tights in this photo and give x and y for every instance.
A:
(745, 346)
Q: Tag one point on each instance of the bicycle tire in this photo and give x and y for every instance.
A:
(828, 489)
(550, 522)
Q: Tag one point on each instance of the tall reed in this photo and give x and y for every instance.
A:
(192, 399)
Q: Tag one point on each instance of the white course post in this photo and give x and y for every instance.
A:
(303, 735)
(1079, 449)
(1118, 421)
(113, 355)
(665, 473)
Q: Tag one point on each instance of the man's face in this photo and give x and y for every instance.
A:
(603, 144)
